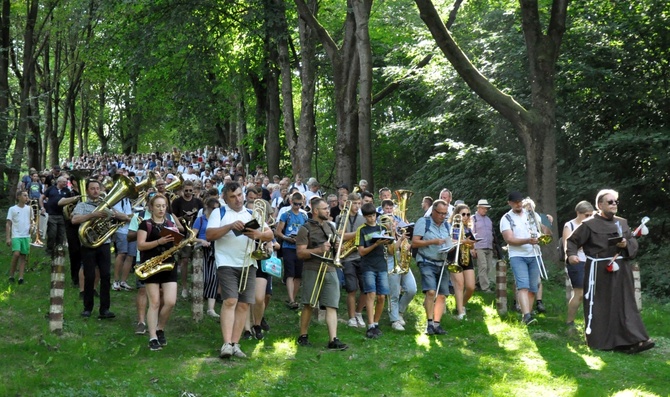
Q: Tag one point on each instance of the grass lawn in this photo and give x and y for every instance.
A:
(485, 355)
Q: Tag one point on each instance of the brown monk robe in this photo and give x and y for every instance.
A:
(616, 322)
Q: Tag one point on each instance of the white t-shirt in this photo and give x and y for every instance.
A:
(521, 229)
(20, 218)
(229, 250)
(124, 206)
(308, 196)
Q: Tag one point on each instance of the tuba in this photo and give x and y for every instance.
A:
(403, 198)
(173, 187)
(94, 232)
(156, 265)
(80, 176)
(142, 191)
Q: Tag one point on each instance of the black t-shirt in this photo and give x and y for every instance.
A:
(154, 235)
(186, 210)
(53, 195)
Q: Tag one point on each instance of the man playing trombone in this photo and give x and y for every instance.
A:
(522, 254)
(227, 227)
(315, 237)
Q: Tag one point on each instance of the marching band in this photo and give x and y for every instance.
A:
(327, 242)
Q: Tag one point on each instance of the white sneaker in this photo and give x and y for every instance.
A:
(213, 313)
(124, 286)
(460, 317)
(397, 326)
(359, 320)
(227, 350)
(401, 320)
(237, 352)
(116, 286)
(352, 322)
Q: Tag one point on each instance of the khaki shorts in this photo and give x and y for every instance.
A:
(330, 291)
(229, 280)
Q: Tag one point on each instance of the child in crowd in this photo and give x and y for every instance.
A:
(19, 218)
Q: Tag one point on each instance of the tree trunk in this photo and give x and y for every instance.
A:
(305, 144)
(362, 13)
(345, 64)
(28, 70)
(272, 111)
(535, 127)
(5, 45)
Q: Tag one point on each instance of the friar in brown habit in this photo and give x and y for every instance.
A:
(613, 321)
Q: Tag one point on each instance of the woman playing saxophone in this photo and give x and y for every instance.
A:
(151, 244)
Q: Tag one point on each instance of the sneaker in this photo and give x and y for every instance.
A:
(140, 329)
(213, 313)
(227, 350)
(116, 286)
(401, 320)
(247, 335)
(106, 315)
(303, 340)
(397, 326)
(438, 330)
(257, 331)
(371, 333)
(352, 322)
(20, 281)
(86, 313)
(124, 286)
(528, 319)
(460, 317)
(12, 280)
(160, 334)
(540, 307)
(264, 325)
(430, 330)
(237, 352)
(154, 345)
(359, 320)
(378, 330)
(336, 344)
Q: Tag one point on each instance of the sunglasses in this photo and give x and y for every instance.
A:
(465, 214)
(298, 204)
(188, 190)
(613, 202)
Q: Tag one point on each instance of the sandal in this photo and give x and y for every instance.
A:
(640, 347)
(293, 305)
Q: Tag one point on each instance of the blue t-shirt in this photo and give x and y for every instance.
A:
(292, 223)
(201, 225)
(432, 253)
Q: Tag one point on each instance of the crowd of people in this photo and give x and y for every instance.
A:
(349, 240)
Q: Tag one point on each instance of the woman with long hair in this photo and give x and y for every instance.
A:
(209, 267)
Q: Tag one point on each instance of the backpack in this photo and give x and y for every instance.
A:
(168, 223)
(415, 251)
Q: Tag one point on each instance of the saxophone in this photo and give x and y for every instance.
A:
(156, 265)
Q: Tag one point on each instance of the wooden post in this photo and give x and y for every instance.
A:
(57, 291)
(198, 284)
(638, 286)
(501, 287)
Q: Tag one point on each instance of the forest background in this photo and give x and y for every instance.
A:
(554, 98)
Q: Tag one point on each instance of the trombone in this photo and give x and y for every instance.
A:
(251, 253)
(327, 258)
(35, 223)
(535, 233)
(452, 267)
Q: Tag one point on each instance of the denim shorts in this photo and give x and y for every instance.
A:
(430, 274)
(377, 282)
(576, 274)
(121, 243)
(526, 272)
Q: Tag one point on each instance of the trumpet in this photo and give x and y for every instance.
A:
(252, 252)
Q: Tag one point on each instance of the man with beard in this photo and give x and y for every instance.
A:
(186, 208)
(613, 321)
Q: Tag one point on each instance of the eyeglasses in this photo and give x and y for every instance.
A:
(613, 202)
(465, 214)
(440, 213)
(298, 204)
(188, 190)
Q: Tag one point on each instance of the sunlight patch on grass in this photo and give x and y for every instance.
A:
(593, 362)
(634, 393)
(4, 295)
(282, 348)
(423, 340)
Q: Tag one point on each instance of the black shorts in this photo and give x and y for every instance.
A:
(576, 274)
(353, 277)
(292, 265)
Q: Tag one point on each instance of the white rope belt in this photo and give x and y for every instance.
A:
(591, 291)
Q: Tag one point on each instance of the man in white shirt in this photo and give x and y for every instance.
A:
(230, 252)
